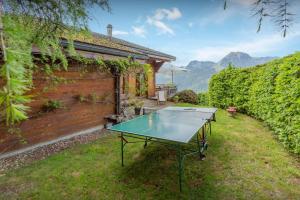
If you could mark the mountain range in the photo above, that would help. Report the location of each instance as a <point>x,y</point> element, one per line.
<point>196,74</point>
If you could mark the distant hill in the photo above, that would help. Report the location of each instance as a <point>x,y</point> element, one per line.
<point>199,72</point>
<point>241,59</point>
<point>197,75</point>
<point>195,64</point>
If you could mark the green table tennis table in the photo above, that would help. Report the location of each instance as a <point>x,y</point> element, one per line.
<point>175,126</point>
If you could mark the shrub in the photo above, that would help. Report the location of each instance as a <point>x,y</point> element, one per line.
<point>81,98</point>
<point>176,99</point>
<point>203,98</point>
<point>270,92</point>
<point>187,96</point>
<point>52,105</point>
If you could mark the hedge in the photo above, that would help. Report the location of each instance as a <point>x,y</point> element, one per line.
<point>269,92</point>
<point>203,98</point>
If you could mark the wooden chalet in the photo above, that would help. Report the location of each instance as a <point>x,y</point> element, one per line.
<point>86,95</point>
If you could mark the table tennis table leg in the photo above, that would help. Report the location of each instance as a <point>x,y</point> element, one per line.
<point>122,149</point>
<point>199,146</point>
<point>209,127</point>
<point>146,142</point>
<point>180,166</point>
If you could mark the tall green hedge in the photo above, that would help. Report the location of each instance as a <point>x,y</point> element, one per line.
<point>270,92</point>
<point>203,98</point>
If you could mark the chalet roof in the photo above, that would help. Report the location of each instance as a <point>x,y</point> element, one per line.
<point>100,43</point>
<point>149,52</point>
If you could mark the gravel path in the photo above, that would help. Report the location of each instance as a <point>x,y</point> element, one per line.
<point>43,152</point>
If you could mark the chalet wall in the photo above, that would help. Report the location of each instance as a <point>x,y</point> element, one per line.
<point>75,115</point>
<point>151,83</point>
<point>129,84</point>
<point>132,83</point>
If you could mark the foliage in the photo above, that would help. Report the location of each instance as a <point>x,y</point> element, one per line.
<point>175,99</point>
<point>203,98</point>
<point>39,23</point>
<point>187,96</point>
<point>270,92</point>
<point>93,97</point>
<point>148,71</point>
<point>17,78</point>
<point>52,105</point>
<point>61,13</point>
<point>278,11</point>
<point>121,66</point>
<point>42,24</point>
<point>138,103</point>
<point>80,97</point>
<point>142,72</point>
<point>144,76</point>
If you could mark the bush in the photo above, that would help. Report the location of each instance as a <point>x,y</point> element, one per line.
<point>186,96</point>
<point>203,98</point>
<point>176,99</point>
<point>52,105</point>
<point>270,92</point>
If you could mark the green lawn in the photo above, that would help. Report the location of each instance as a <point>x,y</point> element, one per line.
<point>243,161</point>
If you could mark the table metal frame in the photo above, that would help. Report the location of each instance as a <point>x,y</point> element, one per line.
<point>181,149</point>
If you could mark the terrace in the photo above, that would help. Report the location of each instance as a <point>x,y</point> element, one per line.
<point>170,89</point>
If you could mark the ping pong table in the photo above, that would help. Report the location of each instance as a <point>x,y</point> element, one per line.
<point>175,126</point>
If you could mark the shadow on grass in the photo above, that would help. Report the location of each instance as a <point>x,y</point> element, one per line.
<point>155,168</point>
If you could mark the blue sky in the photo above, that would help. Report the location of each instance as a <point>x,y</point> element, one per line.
<point>196,29</point>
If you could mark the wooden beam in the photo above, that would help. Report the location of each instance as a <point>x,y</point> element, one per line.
<point>157,65</point>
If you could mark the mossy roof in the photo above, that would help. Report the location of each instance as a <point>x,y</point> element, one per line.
<point>116,43</point>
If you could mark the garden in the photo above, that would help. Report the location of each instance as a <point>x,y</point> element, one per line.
<point>251,155</point>
<point>238,166</point>
<point>58,80</point>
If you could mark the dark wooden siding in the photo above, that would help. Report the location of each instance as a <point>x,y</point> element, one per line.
<point>73,116</point>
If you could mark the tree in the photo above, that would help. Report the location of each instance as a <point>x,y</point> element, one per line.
<point>25,23</point>
<point>276,10</point>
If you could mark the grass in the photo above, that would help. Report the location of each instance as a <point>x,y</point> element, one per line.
<point>243,161</point>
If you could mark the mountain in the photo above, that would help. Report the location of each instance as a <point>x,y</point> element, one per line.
<point>196,65</point>
<point>198,73</point>
<point>241,59</point>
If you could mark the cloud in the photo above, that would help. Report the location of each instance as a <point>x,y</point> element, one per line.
<point>117,32</point>
<point>171,14</point>
<point>161,26</point>
<point>139,31</point>
<point>160,15</point>
<point>261,46</point>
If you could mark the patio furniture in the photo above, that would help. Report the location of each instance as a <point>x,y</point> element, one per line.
<point>232,111</point>
<point>148,110</point>
<point>161,97</point>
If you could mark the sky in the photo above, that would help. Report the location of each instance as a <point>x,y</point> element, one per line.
<point>197,29</point>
